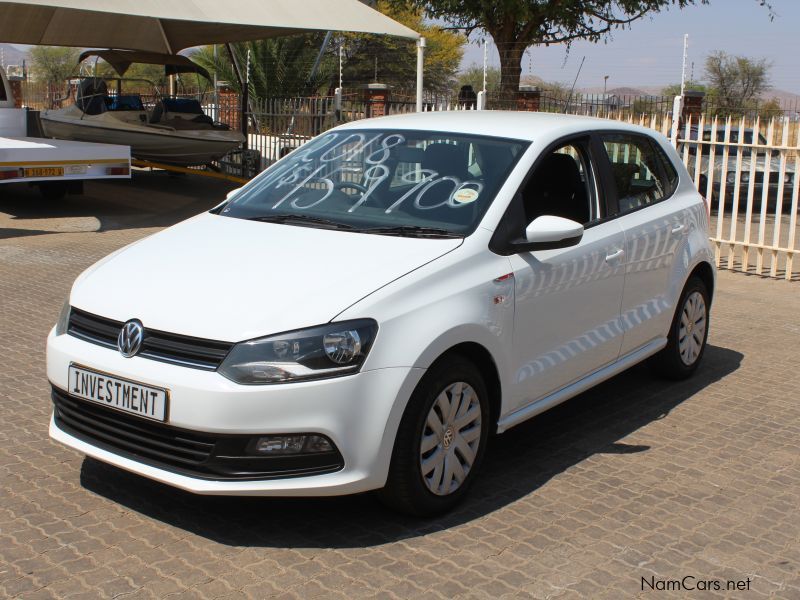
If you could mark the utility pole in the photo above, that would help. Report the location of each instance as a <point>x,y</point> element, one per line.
<point>341,60</point>
<point>683,70</point>
<point>677,105</point>
<point>485,63</point>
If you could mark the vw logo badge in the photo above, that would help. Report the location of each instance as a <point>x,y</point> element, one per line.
<point>130,338</point>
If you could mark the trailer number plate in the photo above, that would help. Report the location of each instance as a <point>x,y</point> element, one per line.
<point>43,172</point>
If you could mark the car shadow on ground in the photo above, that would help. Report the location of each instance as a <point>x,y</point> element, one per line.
<point>150,199</point>
<point>518,463</point>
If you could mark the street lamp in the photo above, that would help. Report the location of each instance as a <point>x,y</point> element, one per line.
<point>605,97</point>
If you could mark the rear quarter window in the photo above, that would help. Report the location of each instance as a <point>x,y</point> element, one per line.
<point>642,172</point>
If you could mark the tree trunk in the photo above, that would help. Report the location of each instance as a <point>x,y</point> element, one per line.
<point>510,66</point>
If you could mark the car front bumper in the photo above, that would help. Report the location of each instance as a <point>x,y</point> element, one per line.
<point>359,413</point>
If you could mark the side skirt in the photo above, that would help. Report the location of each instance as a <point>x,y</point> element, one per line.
<point>621,364</point>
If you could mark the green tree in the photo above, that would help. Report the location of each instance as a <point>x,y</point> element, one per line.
<point>736,82</point>
<point>278,67</point>
<point>769,109</point>
<point>674,89</point>
<point>395,58</point>
<point>473,75</point>
<point>53,64</point>
<point>517,24</point>
<point>153,73</point>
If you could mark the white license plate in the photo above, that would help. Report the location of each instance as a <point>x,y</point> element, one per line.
<point>117,393</point>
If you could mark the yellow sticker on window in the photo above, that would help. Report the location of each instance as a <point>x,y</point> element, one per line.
<point>465,195</point>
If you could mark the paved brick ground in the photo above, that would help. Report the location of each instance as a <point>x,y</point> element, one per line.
<point>635,479</point>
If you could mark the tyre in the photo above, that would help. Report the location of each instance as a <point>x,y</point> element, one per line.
<point>441,440</point>
<point>688,333</point>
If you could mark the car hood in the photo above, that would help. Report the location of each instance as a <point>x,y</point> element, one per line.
<point>230,279</point>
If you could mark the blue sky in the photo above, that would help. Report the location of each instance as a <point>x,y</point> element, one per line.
<point>650,52</point>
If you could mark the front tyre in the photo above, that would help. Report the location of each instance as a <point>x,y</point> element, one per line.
<point>441,440</point>
<point>688,333</point>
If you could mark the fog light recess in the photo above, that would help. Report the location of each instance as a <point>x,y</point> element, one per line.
<point>282,445</point>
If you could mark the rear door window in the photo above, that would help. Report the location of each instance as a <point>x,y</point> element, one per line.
<point>642,174</point>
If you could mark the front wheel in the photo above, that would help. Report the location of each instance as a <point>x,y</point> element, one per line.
<point>441,440</point>
<point>688,333</point>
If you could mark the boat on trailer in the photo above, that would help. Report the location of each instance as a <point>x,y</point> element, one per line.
<point>166,129</point>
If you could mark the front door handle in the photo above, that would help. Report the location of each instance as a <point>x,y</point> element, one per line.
<point>678,228</point>
<point>615,255</point>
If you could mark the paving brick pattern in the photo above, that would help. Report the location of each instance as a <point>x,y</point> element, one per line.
<point>636,479</point>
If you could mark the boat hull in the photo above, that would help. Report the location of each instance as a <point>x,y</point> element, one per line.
<point>183,148</point>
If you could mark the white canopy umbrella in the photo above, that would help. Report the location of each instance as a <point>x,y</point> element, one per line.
<point>169,26</point>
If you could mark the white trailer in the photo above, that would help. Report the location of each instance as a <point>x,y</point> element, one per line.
<point>55,166</point>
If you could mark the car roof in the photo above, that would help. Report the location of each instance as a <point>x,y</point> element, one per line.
<point>529,126</point>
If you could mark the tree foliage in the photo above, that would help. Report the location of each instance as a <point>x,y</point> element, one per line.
<point>396,57</point>
<point>281,67</point>
<point>277,67</point>
<point>53,64</point>
<point>674,89</point>
<point>473,75</point>
<point>514,25</point>
<point>736,82</point>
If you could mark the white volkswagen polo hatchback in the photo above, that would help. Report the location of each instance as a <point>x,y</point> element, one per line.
<point>367,312</point>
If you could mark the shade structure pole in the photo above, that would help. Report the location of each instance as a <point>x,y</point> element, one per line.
<point>420,64</point>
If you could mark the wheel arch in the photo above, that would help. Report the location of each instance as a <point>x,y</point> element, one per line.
<point>480,356</point>
<point>705,272</point>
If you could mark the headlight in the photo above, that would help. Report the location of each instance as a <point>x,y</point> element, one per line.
<point>746,177</point>
<point>63,319</point>
<point>731,178</point>
<point>319,352</point>
<point>787,178</point>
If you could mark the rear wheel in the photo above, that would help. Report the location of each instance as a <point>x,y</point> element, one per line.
<point>686,342</point>
<point>441,440</point>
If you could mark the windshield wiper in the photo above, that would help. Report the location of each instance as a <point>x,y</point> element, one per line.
<point>412,231</point>
<point>305,220</point>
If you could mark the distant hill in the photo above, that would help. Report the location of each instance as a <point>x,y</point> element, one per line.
<point>784,97</point>
<point>12,55</point>
<point>627,91</point>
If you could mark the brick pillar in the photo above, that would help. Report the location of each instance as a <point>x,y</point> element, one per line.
<point>528,98</point>
<point>16,91</point>
<point>376,96</point>
<point>692,105</point>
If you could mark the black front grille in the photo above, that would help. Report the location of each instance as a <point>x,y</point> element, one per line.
<point>157,345</point>
<point>196,454</point>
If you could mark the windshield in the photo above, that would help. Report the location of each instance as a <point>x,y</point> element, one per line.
<point>386,182</point>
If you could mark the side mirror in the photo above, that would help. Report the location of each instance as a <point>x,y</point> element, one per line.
<point>549,232</point>
<point>232,193</point>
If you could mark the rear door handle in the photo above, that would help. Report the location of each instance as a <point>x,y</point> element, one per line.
<point>678,228</point>
<point>615,255</point>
